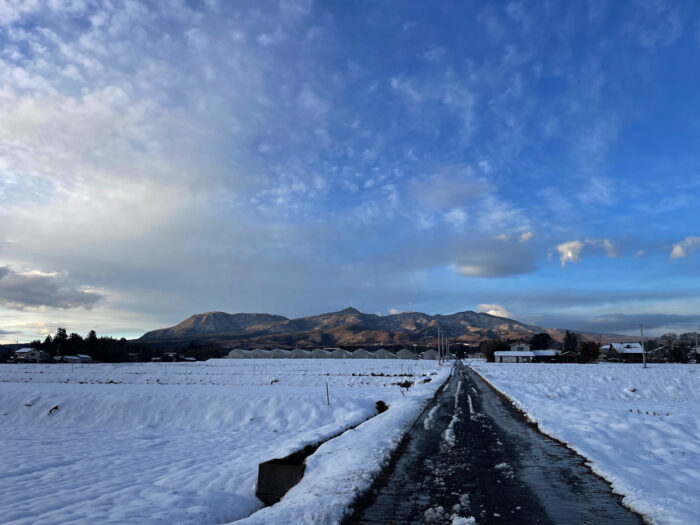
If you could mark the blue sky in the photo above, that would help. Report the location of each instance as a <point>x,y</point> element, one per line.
<point>533,159</point>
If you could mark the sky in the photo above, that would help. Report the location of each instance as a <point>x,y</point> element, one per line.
<point>537,160</point>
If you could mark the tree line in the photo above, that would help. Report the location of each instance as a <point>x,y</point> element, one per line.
<point>104,349</point>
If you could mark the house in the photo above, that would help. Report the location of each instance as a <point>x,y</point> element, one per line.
<point>405,353</point>
<point>430,354</point>
<point>550,355</point>
<point>569,356</point>
<point>239,353</point>
<point>518,353</point>
<point>514,356</point>
<point>300,353</point>
<point>520,347</point>
<point>362,353</point>
<point>31,355</point>
<point>260,353</point>
<point>625,352</point>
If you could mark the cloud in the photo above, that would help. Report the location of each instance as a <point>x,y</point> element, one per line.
<point>394,311</point>
<point>495,258</point>
<point>456,217</point>
<point>684,248</point>
<point>20,290</point>
<point>526,236</point>
<point>610,248</point>
<point>570,252</point>
<point>621,323</point>
<point>495,309</point>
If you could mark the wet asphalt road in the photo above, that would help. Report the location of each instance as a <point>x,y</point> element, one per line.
<point>476,457</point>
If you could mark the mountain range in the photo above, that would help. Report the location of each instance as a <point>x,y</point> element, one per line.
<point>348,327</point>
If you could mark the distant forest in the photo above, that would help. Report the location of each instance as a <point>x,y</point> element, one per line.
<point>110,350</point>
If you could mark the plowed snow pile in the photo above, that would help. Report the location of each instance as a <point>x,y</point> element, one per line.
<point>639,428</point>
<point>181,442</point>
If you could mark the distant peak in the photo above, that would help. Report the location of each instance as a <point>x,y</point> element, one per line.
<point>349,310</point>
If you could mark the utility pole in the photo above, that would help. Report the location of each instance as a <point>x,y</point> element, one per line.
<point>438,345</point>
<point>644,351</point>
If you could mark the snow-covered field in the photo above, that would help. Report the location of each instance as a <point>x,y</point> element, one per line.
<point>181,442</point>
<point>639,429</point>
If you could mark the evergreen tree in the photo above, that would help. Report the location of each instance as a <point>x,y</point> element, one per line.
<point>570,342</point>
<point>589,351</point>
<point>541,341</point>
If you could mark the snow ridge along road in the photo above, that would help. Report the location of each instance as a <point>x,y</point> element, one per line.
<point>499,469</point>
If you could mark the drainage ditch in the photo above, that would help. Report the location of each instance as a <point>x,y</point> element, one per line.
<point>277,476</point>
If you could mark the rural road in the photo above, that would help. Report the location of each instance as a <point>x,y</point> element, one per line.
<point>491,466</point>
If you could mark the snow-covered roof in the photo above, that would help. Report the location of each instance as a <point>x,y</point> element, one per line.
<point>627,348</point>
<point>545,353</point>
<point>515,353</point>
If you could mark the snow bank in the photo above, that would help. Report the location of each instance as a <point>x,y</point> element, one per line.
<point>638,428</point>
<point>181,442</point>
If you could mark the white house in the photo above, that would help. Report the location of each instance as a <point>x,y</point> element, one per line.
<point>514,356</point>
<point>520,347</point>
<point>31,355</point>
<point>518,353</point>
<point>521,353</point>
<point>548,354</point>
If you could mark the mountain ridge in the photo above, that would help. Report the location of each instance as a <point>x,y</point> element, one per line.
<point>348,326</point>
